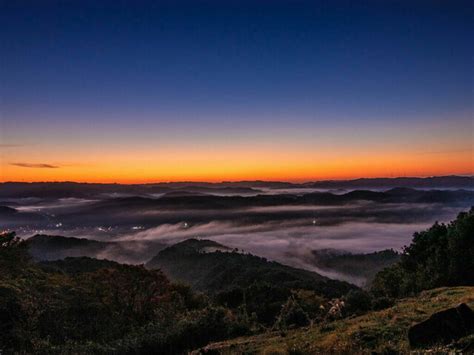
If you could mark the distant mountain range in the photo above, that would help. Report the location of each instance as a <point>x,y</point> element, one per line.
<point>172,202</point>
<point>178,206</point>
<point>438,182</point>
<point>87,190</point>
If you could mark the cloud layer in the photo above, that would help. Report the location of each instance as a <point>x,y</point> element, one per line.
<point>35,165</point>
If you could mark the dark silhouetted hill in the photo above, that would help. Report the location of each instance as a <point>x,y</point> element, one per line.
<point>77,265</point>
<point>358,265</point>
<point>212,267</point>
<point>47,248</point>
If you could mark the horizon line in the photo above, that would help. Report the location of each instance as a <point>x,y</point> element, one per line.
<point>470,175</point>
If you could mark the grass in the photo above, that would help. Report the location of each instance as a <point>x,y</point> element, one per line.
<point>383,332</point>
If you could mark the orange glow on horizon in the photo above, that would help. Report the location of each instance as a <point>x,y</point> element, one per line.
<point>442,146</point>
<point>238,167</point>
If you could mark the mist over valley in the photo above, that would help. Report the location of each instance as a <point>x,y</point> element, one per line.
<point>284,222</point>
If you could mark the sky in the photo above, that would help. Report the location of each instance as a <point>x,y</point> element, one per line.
<point>143,91</point>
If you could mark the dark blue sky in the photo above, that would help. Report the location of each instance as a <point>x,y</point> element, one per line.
<point>214,66</point>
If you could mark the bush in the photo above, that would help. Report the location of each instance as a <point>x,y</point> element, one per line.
<point>382,303</point>
<point>311,303</point>
<point>292,315</point>
<point>358,301</point>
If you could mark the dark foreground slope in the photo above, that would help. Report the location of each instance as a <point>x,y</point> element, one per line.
<point>89,306</point>
<point>211,267</point>
<point>381,332</point>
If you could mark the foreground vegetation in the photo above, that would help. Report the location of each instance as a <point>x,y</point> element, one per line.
<point>382,332</point>
<point>85,305</point>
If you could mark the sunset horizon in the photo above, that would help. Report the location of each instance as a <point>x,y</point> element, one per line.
<point>222,181</point>
<point>263,167</point>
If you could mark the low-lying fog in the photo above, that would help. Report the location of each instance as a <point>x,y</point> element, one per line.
<point>283,232</point>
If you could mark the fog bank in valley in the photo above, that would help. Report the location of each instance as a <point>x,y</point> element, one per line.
<point>283,224</point>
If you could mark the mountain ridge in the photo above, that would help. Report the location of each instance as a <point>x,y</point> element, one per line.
<point>84,189</point>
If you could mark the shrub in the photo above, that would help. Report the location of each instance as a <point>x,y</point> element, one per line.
<point>380,303</point>
<point>292,315</point>
<point>358,301</point>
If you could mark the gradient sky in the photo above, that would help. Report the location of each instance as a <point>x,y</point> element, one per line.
<point>136,91</point>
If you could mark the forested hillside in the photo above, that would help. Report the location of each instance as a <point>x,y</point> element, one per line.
<point>86,305</point>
